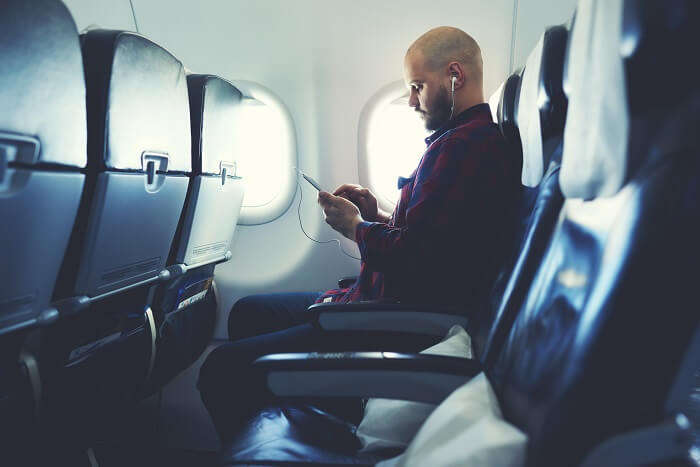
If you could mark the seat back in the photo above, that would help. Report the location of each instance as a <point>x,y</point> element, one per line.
<point>138,162</point>
<point>186,307</point>
<point>42,150</point>
<point>216,193</point>
<point>95,362</point>
<point>533,100</point>
<point>596,346</point>
<point>43,139</point>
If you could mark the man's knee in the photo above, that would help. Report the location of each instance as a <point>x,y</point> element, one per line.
<point>216,369</point>
<point>243,316</point>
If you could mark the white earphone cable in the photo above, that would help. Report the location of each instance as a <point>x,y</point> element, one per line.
<point>333,240</point>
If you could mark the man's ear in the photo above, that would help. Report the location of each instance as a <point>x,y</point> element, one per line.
<point>456,70</point>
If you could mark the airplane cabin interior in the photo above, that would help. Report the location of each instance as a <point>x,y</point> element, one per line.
<point>327,232</point>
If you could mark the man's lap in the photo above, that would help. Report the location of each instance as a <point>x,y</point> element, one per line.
<point>232,389</point>
<point>265,313</point>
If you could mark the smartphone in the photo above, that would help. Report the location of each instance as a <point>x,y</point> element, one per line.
<point>313,182</point>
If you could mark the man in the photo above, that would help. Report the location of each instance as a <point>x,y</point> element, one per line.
<point>442,244</point>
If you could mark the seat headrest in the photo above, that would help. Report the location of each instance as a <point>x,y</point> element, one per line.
<point>506,113</point>
<point>652,34</point>
<point>540,112</point>
<point>594,160</point>
<point>137,102</point>
<point>527,117</point>
<point>42,86</point>
<point>494,100</point>
<point>553,103</point>
<point>214,110</point>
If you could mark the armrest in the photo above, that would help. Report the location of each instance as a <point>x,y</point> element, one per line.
<point>387,317</point>
<point>414,377</point>
<point>670,440</point>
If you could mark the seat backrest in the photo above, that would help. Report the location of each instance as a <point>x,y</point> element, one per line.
<point>42,150</point>
<point>530,101</point>
<point>138,164</point>
<point>186,308</point>
<point>216,192</point>
<point>595,348</point>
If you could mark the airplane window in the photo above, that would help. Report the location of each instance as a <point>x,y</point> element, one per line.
<point>258,152</point>
<point>393,143</point>
<point>266,152</point>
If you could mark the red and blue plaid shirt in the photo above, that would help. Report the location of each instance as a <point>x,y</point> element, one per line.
<point>445,239</point>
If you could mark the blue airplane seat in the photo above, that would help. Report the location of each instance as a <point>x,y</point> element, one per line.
<point>43,140</point>
<point>96,358</point>
<point>537,107</point>
<point>186,308</point>
<point>596,350</point>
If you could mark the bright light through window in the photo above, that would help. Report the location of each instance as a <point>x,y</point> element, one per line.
<point>395,143</point>
<point>263,154</point>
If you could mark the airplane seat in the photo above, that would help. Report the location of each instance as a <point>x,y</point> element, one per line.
<point>595,355</point>
<point>601,357</point>
<point>138,165</point>
<point>186,308</point>
<point>99,354</point>
<point>43,138</point>
<point>42,151</point>
<point>532,118</point>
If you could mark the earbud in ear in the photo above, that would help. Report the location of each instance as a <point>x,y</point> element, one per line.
<point>454,78</point>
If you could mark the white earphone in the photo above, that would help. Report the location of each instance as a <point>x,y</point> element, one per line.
<point>452,109</point>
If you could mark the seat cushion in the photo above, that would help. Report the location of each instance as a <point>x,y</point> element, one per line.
<point>466,429</point>
<point>297,434</point>
<point>389,423</point>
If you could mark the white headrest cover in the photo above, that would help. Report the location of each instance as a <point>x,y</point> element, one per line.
<point>494,100</point>
<point>528,118</point>
<point>594,161</point>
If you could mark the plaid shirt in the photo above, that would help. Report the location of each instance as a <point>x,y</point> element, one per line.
<point>445,238</point>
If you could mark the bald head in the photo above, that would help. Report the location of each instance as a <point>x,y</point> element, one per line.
<point>443,72</point>
<point>441,46</point>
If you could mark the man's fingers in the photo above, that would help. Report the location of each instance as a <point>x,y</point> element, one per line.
<point>324,198</point>
<point>346,188</point>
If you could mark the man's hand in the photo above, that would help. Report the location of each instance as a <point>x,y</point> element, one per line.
<point>363,199</point>
<point>341,214</point>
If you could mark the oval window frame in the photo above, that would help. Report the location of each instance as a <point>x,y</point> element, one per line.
<point>277,206</point>
<point>384,96</point>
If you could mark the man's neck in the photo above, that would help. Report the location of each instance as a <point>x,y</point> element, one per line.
<point>467,101</point>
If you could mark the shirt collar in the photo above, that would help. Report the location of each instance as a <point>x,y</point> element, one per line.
<point>475,112</point>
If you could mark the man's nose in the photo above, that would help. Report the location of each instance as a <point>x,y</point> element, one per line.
<point>413,100</point>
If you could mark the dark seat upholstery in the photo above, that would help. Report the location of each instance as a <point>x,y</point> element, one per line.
<point>294,434</point>
<point>543,198</point>
<point>186,308</point>
<point>302,440</point>
<point>43,139</point>
<point>138,162</point>
<point>96,357</point>
<point>597,347</point>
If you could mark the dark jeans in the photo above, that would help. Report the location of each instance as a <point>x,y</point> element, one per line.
<point>233,391</point>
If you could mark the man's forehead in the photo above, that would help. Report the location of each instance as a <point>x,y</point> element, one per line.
<point>414,66</point>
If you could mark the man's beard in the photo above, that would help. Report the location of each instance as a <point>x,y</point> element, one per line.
<point>440,113</point>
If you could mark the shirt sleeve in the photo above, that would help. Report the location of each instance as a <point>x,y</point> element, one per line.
<point>450,186</point>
